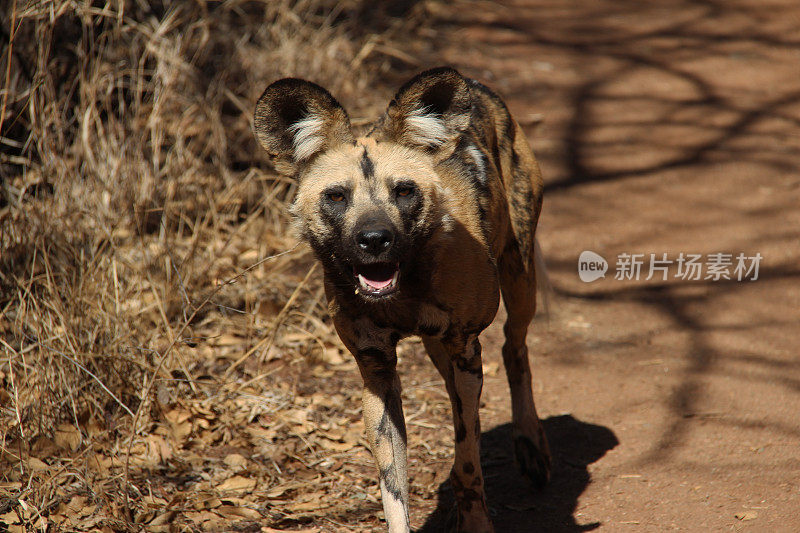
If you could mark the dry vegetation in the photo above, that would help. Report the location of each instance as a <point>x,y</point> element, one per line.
<point>165,359</point>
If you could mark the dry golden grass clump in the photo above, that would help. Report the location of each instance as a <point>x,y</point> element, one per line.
<point>153,301</point>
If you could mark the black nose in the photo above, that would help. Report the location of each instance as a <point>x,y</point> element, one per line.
<point>375,241</point>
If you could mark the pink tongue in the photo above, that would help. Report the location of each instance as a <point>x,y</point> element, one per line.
<point>378,284</point>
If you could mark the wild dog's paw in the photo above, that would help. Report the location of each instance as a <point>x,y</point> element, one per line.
<point>534,463</point>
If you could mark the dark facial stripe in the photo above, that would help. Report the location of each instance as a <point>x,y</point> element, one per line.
<point>333,215</point>
<point>367,166</point>
<point>409,212</point>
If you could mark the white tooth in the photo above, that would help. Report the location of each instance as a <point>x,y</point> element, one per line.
<point>394,278</point>
<point>363,282</point>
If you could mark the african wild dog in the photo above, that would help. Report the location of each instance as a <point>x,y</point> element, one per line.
<point>420,225</point>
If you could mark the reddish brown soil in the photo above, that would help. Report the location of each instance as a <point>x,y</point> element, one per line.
<point>667,127</point>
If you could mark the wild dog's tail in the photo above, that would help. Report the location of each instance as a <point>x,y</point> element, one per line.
<point>543,285</point>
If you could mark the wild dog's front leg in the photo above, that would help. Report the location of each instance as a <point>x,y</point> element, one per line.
<point>386,430</point>
<point>460,366</point>
<point>374,349</point>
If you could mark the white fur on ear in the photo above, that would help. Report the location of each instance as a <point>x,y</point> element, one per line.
<point>308,137</point>
<point>478,157</point>
<point>425,128</point>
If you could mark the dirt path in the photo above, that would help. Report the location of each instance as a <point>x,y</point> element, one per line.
<point>670,404</point>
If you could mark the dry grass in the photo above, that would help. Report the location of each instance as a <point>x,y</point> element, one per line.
<point>160,328</point>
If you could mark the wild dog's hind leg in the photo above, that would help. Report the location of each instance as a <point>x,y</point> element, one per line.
<point>518,286</point>
<point>460,366</point>
<point>385,424</point>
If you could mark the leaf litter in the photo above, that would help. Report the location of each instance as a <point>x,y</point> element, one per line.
<point>166,361</point>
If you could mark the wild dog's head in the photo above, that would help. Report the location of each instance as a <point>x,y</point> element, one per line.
<point>367,206</point>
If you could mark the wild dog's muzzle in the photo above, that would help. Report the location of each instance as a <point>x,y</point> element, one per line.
<point>378,279</point>
<point>375,241</point>
<point>375,268</point>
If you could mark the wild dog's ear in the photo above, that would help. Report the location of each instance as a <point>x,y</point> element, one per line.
<point>430,110</point>
<point>295,120</point>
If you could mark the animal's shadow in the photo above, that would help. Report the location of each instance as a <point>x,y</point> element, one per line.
<point>514,505</point>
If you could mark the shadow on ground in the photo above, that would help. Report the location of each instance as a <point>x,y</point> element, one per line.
<point>514,504</point>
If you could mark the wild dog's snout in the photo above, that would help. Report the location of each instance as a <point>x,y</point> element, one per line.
<point>375,263</point>
<point>374,237</point>
<point>375,241</point>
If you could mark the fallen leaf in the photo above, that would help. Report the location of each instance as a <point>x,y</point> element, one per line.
<point>746,515</point>
<point>158,448</point>
<point>202,516</point>
<point>277,492</point>
<point>10,518</point>
<point>238,512</point>
<point>204,504</point>
<point>237,484</point>
<point>335,446</point>
<point>313,504</point>
<point>67,436</point>
<point>235,460</point>
<point>162,520</point>
<point>37,465</point>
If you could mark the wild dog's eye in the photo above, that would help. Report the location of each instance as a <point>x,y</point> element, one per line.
<point>404,190</point>
<point>335,195</point>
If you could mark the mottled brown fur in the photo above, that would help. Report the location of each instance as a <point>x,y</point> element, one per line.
<point>443,194</point>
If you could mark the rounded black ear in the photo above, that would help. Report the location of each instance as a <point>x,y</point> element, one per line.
<point>430,110</point>
<point>295,120</point>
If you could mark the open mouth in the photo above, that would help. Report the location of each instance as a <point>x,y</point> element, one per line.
<point>377,279</point>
